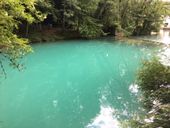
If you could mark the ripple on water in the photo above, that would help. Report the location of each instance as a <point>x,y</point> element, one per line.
<point>105,119</point>
<point>72,85</point>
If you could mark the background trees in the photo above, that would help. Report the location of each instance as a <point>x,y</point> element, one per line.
<point>94,18</point>
<point>78,15</point>
<point>91,18</point>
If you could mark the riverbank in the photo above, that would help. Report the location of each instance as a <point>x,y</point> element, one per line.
<point>57,34</point>
<point>139,41</point>
<point>51,35</point>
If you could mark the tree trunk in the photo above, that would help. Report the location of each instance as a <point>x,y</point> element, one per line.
<point>63,23</point>
<point>27,29</point>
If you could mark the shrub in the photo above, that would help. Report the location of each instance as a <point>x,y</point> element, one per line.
<point>154,81</point>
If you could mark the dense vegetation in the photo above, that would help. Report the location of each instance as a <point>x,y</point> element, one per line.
<point>90,19</point>
<point>93,18</point>
<point>12,14</point>
<point>154,81</point>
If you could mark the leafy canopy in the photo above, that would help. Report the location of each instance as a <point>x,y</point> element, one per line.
<point>12,13</point>
<point>154,80</point>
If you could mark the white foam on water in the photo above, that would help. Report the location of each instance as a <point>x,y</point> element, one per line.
<point>55,103</point>
<point>105,119</point>
<point>133,88</point>
<point>81,107</point>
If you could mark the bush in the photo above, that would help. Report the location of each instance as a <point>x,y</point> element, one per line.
<point>154,81</point>
<point>153,75</point>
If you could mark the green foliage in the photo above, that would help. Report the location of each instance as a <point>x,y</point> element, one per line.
<point>79,15</point>
<point>108,12</point>
<point>153,15</point>
<point>12,12</point>
<point>154,80</point>
<point>160,119</point>
<point>162,95</point>
<point>141,17</point>
<point>46,7</point>
<point>153,75</point>
<point>89,28</point>
<point>167,8</point>
<point>131,17</point>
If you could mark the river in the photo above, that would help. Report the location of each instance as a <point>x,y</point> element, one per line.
<point>73,84</point>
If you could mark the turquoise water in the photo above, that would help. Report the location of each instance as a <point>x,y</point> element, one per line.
<point>72,84</point>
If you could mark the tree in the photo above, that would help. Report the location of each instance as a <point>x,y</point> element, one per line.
<point>91,17</point>
<point>154,81</point>
<point>108,13</point>
<point>80,15</point>
<point>12,13</point>
<point>148,17</point>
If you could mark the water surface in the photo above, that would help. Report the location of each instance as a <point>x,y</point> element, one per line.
<point>72,84</point>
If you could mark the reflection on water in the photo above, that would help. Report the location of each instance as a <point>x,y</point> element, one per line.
<point>165,37</point>
<point>76,84</point>
<point>110,117</point>
<point>162,37</point>
<point>105,119</point>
